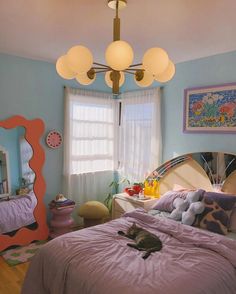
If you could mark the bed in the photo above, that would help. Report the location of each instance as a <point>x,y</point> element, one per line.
<point>97,260</point>
<point>17,212</point>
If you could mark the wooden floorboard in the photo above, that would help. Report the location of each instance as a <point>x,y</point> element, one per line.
<point>12,277</point>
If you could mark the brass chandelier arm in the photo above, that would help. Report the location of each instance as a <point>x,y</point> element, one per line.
<point>134,69</point>
<point>104,70</point>
<point>137,64</point>
<point>129,72</point>
<point>101,64</point>
<point>99,67</point>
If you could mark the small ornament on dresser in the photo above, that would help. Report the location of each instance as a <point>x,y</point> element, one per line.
<point>61,202</point>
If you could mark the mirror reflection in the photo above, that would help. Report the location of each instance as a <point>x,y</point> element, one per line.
<point>217,165</point>
<point>17,199</point>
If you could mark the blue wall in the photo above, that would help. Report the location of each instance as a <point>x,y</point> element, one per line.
<point>33,89</point>
<point>218,69</point>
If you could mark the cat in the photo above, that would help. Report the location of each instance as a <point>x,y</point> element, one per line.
<point>144,240</point>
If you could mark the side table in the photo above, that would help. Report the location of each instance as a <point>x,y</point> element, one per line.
<point>122,203</point>
<point>61,221</point>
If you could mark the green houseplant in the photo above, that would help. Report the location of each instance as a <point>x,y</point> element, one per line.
<point>114,186</point>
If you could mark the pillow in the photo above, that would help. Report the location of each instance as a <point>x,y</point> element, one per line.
<point>180,188</point>
<point>165,203</point>
<point>232,226</point>
<point>180,205</point>
<point>195,208</point>
<point>191,203</point>
<point>217,212</point>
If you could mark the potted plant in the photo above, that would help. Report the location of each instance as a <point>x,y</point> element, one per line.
<point>114,186</point>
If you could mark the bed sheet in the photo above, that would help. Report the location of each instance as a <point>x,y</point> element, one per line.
<point>97,260</point>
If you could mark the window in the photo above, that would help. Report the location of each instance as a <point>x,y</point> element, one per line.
<point>91,140</point>
<point>92,134</point>
<point>140,134</point>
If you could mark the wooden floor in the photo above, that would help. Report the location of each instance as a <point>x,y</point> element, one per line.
<point>11,277</point>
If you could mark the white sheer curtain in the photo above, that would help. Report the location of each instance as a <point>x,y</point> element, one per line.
<point>89,144</point>
<point>140,133</point>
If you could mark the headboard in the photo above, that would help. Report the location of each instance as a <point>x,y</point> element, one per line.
<point>210,171</point>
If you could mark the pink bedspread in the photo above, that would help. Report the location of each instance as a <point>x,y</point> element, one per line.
<point>98,261</point>
<point>17,213</point>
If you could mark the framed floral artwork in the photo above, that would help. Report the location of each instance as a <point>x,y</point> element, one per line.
<point>210,109</point>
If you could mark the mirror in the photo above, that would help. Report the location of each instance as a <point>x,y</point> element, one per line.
<point>212,171</point>
<point>22,187</point>
<point>4,173</point>
<point>17,199</point>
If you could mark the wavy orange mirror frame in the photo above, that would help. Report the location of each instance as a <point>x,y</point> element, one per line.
<point>33,132</point>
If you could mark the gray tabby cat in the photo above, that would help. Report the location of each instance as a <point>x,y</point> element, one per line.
<point>144,240</point>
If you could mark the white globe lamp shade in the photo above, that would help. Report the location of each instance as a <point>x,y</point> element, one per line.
<point>63,69</point>
<point>119,55</point>
<point>155,60</point>
<point>168,74</point>
<point>146,81</point>
<point>79,59</point>
<point>108,79</point>
<point>83,79</point>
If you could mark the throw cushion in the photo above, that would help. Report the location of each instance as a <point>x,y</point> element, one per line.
<point>217,212</point>
<point>232,226</point>
<point>165,203</point>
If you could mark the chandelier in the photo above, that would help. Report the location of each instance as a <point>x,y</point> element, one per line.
<point>78,61</point>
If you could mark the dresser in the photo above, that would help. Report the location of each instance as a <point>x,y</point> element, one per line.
<point>122,203</point>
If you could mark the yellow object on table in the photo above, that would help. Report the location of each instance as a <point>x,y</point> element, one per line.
<point>152,188</point>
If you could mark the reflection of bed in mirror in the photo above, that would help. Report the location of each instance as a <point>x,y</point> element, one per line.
<point>17,199</point>
<point>211,171</point>
<point>22,212</point>
<point>17,212</point>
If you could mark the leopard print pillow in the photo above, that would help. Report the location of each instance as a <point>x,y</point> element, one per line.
<point>217,212</point>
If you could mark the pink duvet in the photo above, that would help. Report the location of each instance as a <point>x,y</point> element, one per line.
<point>97,260</point>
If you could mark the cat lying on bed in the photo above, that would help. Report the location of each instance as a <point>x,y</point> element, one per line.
<point>144,240</point>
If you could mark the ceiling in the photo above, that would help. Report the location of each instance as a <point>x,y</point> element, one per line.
<point>187,29</point>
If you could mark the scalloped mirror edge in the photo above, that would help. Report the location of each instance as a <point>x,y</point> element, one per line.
<point>33,131</point>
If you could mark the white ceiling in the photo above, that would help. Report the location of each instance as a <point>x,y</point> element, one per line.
<point>187,29</point>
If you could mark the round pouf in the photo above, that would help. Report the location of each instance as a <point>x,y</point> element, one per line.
<point>93,212</point>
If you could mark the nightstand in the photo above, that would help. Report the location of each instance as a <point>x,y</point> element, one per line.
<point>61,222</point>
<point>122,203</point>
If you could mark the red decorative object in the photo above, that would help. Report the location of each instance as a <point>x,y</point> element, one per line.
<point>54,139</point>
<point>130,191</point>
<point>137,188</point>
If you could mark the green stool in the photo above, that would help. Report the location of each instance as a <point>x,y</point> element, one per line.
<point>94,213</point>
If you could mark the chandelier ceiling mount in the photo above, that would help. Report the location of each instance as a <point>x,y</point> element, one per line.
<point>78,61</point>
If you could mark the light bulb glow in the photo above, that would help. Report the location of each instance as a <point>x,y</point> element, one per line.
<point>79,59</point>
<point>155,60</point>
<point>167,75</point>
<point>108,79</point>
<point>83,79</point>
<point>63,69</point>
<point>119,55</point>
<point>146,81</point>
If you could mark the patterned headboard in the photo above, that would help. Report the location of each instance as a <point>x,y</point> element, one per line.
<point>193,171</point>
